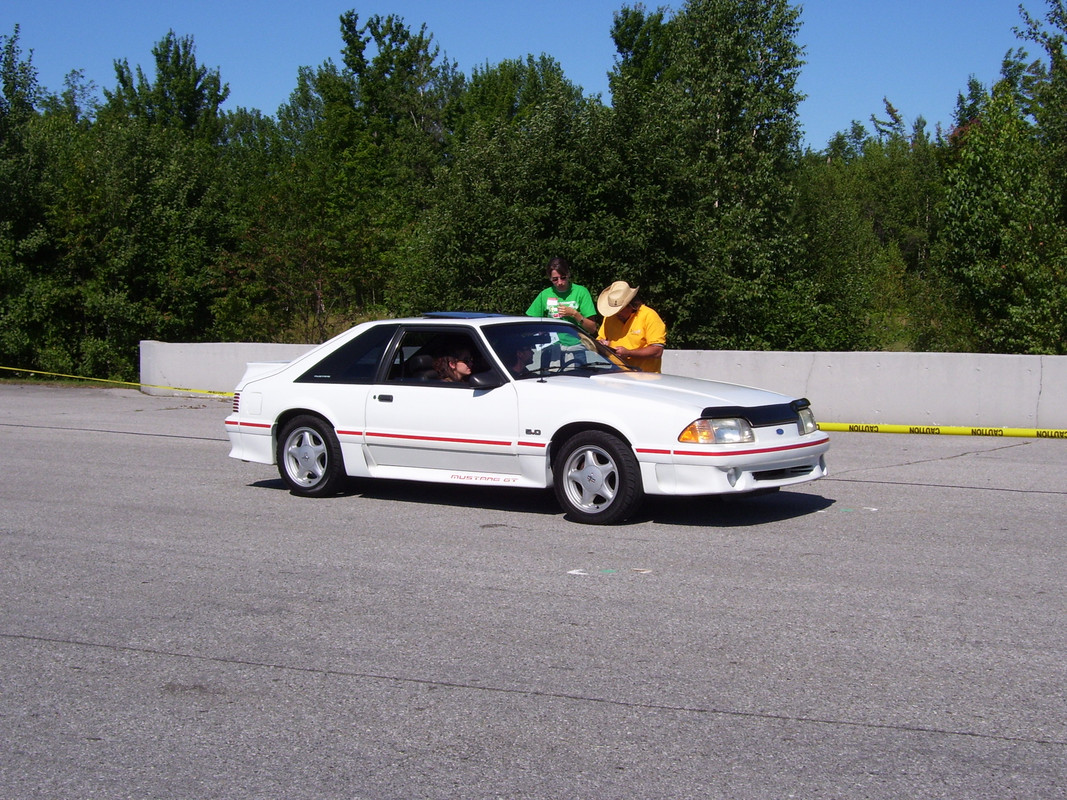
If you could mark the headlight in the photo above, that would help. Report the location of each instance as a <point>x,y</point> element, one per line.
<point>718,431</point>
<point>806,423</point>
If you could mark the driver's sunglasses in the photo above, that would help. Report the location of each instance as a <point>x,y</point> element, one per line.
<point>560,279</point>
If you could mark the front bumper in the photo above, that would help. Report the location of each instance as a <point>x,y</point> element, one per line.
<point>693,470</point>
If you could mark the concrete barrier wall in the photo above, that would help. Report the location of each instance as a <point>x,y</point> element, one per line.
<point>942,389</point>
<point>927,389</point>
<point>168,368</point>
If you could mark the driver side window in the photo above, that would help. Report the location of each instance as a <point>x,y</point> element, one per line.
<point>436,357</point>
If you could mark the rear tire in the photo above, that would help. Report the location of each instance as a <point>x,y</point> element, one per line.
<point>597,478</point>
<point>309,457</point>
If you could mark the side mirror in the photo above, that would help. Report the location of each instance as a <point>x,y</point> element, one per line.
<point>485,380</point>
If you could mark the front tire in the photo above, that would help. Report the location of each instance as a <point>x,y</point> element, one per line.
<point>309,457</point>
<point>597,478</point>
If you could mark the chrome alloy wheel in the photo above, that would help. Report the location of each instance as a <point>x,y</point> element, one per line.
<point>592,479</point>
<point>597,478</point>
<point>306,458</point>
<point>309,457</point>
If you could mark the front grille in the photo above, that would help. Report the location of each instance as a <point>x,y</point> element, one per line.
<point>783,474</point>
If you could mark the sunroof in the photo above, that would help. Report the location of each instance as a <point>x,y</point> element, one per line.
<point>461,314</point>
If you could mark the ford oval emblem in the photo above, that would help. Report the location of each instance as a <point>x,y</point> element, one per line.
<point>779,431</point>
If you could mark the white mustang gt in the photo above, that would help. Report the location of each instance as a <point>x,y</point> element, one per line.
<point>514,401</point>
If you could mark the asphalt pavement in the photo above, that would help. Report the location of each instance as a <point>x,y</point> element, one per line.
<point>175,624</point>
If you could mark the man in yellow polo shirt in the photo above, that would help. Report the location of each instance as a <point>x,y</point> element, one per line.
<point>633,330</point>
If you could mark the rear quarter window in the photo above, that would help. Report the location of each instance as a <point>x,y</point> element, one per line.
<point>354,362</point>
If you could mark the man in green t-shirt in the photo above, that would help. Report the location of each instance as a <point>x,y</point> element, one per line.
<point>563,299</point>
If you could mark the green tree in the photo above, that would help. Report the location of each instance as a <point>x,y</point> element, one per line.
<point>706,108</point>
<point>129,227</point>
<point>183,94</point>
<point>253,156</point>
<point>642,42</point>
<point>349,165</point>
<point>137,226</point>
<point>507,93</point>
<point>1046,87</point>
<point>19,93</point>
<point>24,241</point>
<point>19,88</point>
<point>1003,245</point>
<point>867,212</point>
<point>528,180</point>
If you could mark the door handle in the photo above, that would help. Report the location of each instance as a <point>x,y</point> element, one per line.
<point>385,398</point>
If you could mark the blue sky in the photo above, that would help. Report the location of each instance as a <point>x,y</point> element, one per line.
<point>918,53</point>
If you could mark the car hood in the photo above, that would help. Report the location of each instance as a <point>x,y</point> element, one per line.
<point>644,407</point>
<point>694,393</point>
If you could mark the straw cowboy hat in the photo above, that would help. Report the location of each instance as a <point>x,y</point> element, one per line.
<point>613,298</point>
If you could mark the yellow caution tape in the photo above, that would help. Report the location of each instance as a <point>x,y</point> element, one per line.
<point>119,383</point>
<point>944,430</point>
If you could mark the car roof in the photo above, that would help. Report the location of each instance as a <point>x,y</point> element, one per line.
<point>449,319</point>
<point>477,319</point>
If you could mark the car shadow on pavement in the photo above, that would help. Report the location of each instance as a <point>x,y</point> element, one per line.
<point>731,511</point>
<point>711,511</point>
<point>529,501</point>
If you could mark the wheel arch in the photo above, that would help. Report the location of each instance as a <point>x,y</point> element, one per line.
<point>571,428</point>
<point>290,414</point>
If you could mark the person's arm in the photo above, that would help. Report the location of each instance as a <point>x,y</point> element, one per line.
<point>587,324</point>
<point>585,317</point>
<point>640,352</point>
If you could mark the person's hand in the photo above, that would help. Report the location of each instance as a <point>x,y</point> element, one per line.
<point>567,311</point>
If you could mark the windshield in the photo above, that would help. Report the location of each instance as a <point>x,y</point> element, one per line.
<point>535,349</point>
